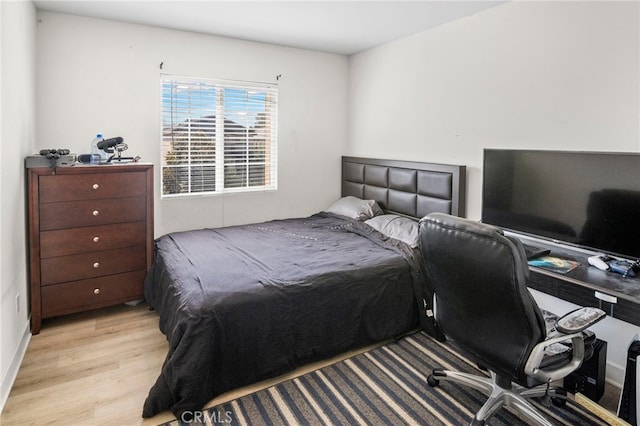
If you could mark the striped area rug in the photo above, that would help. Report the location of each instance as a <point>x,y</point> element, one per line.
<point>384,386</point>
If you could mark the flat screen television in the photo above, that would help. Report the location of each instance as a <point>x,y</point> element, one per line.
<point>585,199</point>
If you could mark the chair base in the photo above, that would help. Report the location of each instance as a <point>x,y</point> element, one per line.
<point>499,396</point>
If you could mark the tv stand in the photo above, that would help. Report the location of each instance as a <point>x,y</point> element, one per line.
<point>586,285</point>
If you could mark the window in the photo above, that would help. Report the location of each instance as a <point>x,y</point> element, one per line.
<point>217,136</point>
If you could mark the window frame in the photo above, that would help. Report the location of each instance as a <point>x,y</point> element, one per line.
<point>242,158</point>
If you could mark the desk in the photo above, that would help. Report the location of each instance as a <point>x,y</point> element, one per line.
<point>586,285</point>
<point>579,287</point>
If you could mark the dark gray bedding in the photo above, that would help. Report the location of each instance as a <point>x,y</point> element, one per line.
<point>245,303</point>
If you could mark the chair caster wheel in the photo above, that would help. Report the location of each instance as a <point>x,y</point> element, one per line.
<point>432,381</point>
<point>476,422</point>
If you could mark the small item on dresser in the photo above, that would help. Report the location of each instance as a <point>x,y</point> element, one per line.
<point>95,150</point>
<point>89,158</point>
<point>51,157</point>
<point>115,147</point>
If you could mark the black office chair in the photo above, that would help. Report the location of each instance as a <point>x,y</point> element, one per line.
<point>482,304</point>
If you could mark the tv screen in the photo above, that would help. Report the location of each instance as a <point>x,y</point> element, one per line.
<point>585,199</point>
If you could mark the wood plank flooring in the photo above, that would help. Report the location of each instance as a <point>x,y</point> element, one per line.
<point>90,368</point>
<point>96,368</point>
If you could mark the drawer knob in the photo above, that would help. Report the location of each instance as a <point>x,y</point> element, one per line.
<point>95,186</point>
<point>96,212</point>
<point>96,239</point>
<point>96,291</point>
<point>96,265</point>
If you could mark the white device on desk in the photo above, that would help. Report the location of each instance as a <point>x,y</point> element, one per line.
<point>599,261</point>
<point>629,405</point>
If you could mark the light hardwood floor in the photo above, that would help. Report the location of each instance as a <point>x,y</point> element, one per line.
<point>90,368</point>
<point>96,368</point>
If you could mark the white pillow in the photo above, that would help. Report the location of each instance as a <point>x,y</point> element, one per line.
<point>355,208</point>
<point>398,227</point>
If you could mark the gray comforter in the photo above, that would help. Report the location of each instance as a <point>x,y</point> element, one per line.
<point>245,303</point>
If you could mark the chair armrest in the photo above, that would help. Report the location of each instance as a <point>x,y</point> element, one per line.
<point>532,367</point>
<point>579,320</point>
<point>568,327</point>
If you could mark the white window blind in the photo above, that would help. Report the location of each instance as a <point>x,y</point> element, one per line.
<point>217,136</point>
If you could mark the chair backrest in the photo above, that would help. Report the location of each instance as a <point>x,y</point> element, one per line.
<point>479,278</point>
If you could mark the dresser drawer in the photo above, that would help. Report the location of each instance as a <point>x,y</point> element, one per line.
<point>63,242</point>
<point>89,265</point>
<point>55,188</point>
<point>92,293</point>
<point>90,213</point>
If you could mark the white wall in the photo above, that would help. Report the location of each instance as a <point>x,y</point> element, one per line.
<point>17,135</point>
<point>547,75</point>
<point>96,75</point>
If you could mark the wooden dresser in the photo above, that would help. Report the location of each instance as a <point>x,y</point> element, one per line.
<point>90,236</point>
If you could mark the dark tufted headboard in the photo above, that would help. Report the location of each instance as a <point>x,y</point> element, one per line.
<point>406,187</point>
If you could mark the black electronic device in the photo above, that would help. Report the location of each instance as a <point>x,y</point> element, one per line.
<point>53,153</point>
<point>89,158</point>
<point>533,252</point>
<point>51,157</point>
<point>584,199</point>
<point>105,144</point>
<point>115,147</point>
<point>629,406</point>
<point>590,378</point>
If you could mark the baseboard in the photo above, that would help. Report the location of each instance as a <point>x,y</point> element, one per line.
<point>12,372</point>
<point>615,374</point>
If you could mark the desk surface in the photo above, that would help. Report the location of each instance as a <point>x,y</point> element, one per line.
<point>608,282</point>
<point>581,284</point>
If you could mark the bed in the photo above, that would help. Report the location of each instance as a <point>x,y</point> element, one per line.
<point>245,303</point>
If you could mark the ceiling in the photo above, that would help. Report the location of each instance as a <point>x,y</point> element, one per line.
<point>344,27</point>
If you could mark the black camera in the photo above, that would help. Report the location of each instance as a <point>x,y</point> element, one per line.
<point>115,147</point>
<point>108,145</point>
